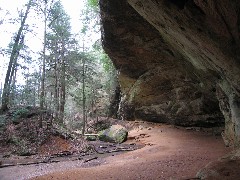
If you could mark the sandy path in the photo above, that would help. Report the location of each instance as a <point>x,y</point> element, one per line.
<point>171,153</point>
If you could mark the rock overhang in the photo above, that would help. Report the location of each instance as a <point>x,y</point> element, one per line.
<point>178,60</point>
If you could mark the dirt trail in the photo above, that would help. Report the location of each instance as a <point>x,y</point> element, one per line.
<point>170,152</point>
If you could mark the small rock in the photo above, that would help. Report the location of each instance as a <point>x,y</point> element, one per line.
<point>149,144</point>
<point>91,138</point>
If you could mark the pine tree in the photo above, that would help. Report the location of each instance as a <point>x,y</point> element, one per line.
<point>59,39</point>
<point>13,61</point>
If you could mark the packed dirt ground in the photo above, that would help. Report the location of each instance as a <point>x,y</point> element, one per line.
<point>169,152</point>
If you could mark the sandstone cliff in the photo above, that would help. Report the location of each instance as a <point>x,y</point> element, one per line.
<point>178,60</point>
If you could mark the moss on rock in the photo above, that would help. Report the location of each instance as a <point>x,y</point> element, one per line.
<point>115,134</point>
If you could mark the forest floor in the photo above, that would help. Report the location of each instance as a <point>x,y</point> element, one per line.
<point>168,152</point>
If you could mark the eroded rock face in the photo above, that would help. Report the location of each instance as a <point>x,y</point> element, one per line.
<point>178,60</point>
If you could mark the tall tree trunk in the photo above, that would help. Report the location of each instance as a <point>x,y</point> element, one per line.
<point>51,100</point>
<point>13,88</point>
<point>42,93</point>
<point>39,86</point>
<point>56,92</point>
<point>84,95</point>
<point>1,93</point>
<point>63,84</point>
<point>34,95</point>
<point>12,62</point>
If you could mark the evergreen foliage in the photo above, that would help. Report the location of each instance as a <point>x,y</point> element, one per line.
<point>69,77</point>
<point>93,4</point>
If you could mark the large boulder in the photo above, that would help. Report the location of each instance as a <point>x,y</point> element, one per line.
<point>114,134</point>
<point>226,167</point>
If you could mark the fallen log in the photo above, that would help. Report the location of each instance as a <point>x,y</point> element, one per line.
<point>6,165</point>
<point>118,150</point>
<point>62,154</point>
<point>91,135</point>
<point>28,163</point>
<point>90,159</point>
